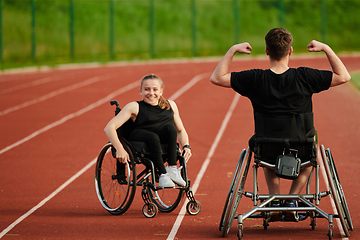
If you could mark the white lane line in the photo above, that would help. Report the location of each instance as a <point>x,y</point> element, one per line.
<point>31,84</point>
<point>204,166</point>
<point>57,92</point>
<point>40,204</point>
<point>326,180</point>
<point>189,85</point>
<point>107,98</point>
<point>71,116</point>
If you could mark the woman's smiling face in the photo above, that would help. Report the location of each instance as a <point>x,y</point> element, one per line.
<point>151,91</point>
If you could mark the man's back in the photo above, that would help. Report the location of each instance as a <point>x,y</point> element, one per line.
<point>281,94</point>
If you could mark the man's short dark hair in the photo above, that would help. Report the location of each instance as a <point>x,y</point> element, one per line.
<point>278,42</point>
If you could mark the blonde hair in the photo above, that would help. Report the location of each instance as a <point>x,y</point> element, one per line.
<point>163,103</point>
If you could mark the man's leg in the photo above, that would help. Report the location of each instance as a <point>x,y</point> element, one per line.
<point>296,187</point>
<point>298,184</point>
<point>272,181</point>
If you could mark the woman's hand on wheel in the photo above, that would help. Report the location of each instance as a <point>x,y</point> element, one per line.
<point>122,156</point>
<point>186,154</point>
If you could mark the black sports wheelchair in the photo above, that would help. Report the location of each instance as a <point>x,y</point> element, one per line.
<point>116,182</point>
<point>307,203</point>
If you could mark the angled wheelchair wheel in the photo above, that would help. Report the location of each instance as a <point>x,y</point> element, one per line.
<point>337,191</point>
<point>115,183</point>
<point>166,199</point>
<point>236,192</point>
<point>221,225</point>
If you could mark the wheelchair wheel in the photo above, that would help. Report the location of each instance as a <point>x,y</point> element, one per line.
<point>166,199</point>
<point>193,207</point>
<point>115,183</point>
<point>337,191</point>
<point>150,210</point>
<point>236,192</point>
<point>221,225</point>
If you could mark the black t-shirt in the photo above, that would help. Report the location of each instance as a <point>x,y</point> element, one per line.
<point>282,103</point>
<point>281,94</point>
<point>153,118</point>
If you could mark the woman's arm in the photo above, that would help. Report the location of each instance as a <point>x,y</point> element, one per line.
<point>129,111</point>
<point>182,134</point>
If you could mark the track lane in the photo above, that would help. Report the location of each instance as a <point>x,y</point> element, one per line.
<point>97,224</point>
<point>74,153</point>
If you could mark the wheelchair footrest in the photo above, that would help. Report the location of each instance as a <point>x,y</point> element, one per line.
<point>280,216</point>
<point>274,214</point>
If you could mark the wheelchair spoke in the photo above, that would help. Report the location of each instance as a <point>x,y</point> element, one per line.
<point>115,188</point>
<point>166,199</point>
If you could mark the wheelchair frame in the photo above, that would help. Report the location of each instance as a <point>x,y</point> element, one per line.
<point>116,189</point>
<point>307,206</point>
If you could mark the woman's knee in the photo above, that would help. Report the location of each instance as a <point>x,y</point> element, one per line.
<point>170,128</point>
<point>150,138</point>
<point>169,132</point>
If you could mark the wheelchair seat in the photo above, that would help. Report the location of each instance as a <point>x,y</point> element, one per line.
<point>142,149</point>
<point>274,134</point>
<point>268,149</point>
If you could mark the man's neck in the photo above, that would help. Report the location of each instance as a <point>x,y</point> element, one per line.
<point>280,66</point>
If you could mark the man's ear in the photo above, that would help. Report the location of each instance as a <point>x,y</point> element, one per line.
<point>291,50</point>
<point>266,51</point>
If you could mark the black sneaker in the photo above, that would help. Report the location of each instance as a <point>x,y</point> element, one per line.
<point>277,215</point>
<point>291,215</point>
<point>275,203</point>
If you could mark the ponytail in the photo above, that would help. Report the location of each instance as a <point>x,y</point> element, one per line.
<point>164,104</point>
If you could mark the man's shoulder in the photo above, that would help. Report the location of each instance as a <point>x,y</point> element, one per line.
<point>249,72</point>
<point>304,69</point>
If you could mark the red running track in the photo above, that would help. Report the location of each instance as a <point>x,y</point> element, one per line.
<point>52,130</point>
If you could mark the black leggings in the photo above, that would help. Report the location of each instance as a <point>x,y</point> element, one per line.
<point>167,135</point>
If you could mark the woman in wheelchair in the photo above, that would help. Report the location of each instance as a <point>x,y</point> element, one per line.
<point>156,121</point>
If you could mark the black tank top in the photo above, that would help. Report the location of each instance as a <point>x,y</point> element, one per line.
<point>153,118</point>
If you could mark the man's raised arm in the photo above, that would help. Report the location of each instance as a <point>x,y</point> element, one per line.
<point>221,75</point>
<point>340,73</point>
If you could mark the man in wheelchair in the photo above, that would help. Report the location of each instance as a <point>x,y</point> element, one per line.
<point>282,100</point>
<point>155,121</point>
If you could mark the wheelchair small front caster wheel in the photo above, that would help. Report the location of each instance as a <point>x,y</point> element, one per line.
<point>330,233</point>
<point>193,207</point>
<point>313,224</point>
<point>150,210</point>
<point>265,223</point>
<point>240,231</point>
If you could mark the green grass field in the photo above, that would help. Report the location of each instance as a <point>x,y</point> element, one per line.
<point>355,79</point>
<point>178,28</point>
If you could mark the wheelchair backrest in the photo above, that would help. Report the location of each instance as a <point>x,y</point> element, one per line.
<point>268,149</point>
<point>285,126</point>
